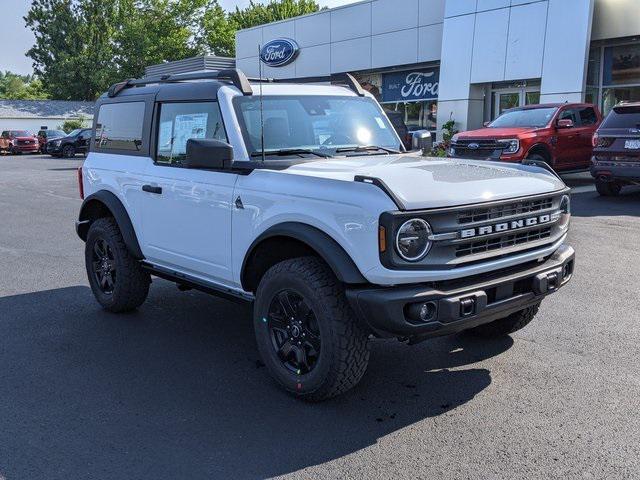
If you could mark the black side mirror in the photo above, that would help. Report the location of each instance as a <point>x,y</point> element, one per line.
<point>206,153</point>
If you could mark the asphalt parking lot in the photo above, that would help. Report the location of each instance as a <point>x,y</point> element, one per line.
<point>175,390</point>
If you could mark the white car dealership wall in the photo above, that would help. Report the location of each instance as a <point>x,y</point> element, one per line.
<point>477,42</point>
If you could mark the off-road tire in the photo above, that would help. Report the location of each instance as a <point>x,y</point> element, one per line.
<point>507,325</point>
<point>344,352</point>
<point>131,285</point>
<point>608,189</point>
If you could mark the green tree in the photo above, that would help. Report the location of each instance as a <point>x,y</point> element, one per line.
<point>83,46</point>
<point>73,124</point>
<point>21,87</point>
<point>153,31</point>
<point>219,36</point>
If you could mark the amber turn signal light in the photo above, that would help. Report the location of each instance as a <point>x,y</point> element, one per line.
<point>382,239</point>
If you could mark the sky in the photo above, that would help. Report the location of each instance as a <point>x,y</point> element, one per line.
<point>16,39</point>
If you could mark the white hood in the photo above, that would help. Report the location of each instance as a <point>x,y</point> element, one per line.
<point>426,182</point>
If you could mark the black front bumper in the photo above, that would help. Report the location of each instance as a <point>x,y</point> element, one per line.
<point>461,304</point>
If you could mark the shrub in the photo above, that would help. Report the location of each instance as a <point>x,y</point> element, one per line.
<point>73,124</point>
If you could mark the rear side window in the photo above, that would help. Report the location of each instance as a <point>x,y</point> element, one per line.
<point>119,126</point>
<point>588,116</point>
<point>181,121</point>
<point>623,117</point>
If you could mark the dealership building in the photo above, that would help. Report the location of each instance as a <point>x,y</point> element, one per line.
<point>465,60</point>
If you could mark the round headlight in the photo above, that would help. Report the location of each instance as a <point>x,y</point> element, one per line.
<point>412,239</point>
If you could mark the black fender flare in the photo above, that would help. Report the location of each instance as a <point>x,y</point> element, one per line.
<point>324,245</point>
<point>93,208</point>
<point>541,146</point>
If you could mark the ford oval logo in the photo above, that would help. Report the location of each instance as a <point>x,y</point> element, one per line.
<point>473,146</point>
<point>279,52</point>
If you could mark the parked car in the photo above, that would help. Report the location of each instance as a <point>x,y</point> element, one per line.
<point>558,134</point>
<point>616,152</point>
<point>301,201</point>
<point>45,135</point>
<point>18,141</point>
<point>77,141</point>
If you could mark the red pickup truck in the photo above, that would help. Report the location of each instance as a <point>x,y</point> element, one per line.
<point>18,141</point>
<point>556,133</point>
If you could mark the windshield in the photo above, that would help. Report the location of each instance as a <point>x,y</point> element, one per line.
<point>324,125</point>
<point>55,133</point>
<point>21,133</point>
<point>623,117</point>
<point>530,117</point>
<point>73,133</point>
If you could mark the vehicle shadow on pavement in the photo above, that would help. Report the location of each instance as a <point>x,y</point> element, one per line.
<point>593,205</point>
<point>175,390</point>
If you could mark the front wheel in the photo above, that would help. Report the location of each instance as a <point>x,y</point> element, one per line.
<point>117,280</point>
<point>306,331</point>
<point>69,151</point>
<point>507,325</point>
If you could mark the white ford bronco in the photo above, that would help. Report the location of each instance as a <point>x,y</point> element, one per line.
<point>301,199</point>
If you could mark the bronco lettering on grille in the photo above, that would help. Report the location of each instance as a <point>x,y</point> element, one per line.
<point>509,226</point>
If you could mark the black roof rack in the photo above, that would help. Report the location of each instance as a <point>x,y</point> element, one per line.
<point>237,77</point>
<point>345,79</point>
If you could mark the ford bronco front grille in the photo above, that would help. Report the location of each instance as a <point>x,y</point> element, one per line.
<point>501,242</point>
<point>479,233</point>
<point>500,211</point>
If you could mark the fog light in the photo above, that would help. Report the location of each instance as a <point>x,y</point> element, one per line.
<point>422,312</point>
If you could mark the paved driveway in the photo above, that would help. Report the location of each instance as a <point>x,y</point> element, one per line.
<point>175,390</point>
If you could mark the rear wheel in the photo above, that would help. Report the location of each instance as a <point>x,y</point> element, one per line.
<point>306,331</point>
<point>69,151</point>
<point>117,280</point>
<point>608,189</point>
<point>507,325</point>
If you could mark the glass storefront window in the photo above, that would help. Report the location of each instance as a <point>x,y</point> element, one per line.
<point>533,98</point>
<point>621,65</point>
<point>613,96</point>
<point>613,75</point>
<point>416,115</point>
<point>593,70</point>
<point>591,95</point>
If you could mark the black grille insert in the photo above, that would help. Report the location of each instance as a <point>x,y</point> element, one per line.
<point>519,208</point>
<point>503,241</point>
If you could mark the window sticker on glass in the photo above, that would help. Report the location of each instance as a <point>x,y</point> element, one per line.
<point>380,123</point>
<point>186,127</point>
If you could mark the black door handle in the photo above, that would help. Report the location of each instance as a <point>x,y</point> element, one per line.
<point>152,189</point>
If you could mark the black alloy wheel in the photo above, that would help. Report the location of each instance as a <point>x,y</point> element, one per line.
<point>104,266</point>
<point>69,151</point>
<point>294,332</point>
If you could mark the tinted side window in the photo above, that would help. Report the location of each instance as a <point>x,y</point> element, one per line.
<point>588,116</point>
<point>119,126</point>
<point>569,114</point>
<point>181,121</point>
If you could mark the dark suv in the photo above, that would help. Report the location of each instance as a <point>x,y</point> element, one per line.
<point>44,136</point>
<point>616,150</point>
<point>76,142</point>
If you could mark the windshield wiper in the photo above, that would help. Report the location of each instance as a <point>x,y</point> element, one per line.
<point>366,148</point>
<point>292,151</point>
